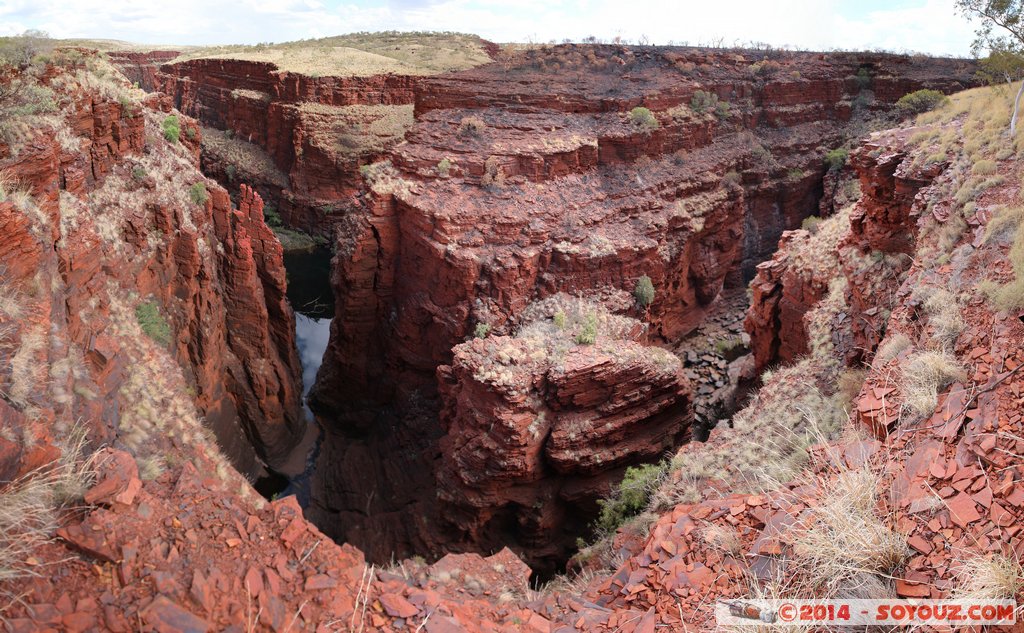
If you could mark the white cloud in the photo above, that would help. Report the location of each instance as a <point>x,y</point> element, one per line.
<point>920,25</point>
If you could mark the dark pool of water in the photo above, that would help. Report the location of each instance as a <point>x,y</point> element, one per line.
<point>309,283</point>
<point>311,296</point>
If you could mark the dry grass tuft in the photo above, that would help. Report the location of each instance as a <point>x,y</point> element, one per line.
<point>847,537</point>
<point>722,538</point>
<point>924,374</point>
<point>891,347</point>
<point>944,316</point>
<point>994,577</point>
<point>30,506</point>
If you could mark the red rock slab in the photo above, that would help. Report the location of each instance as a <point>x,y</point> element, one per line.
<point>920,543</point>
<point>442,624</point>
<point>396,606</point>
<point>118,479</point>
<point>648,622</point>
<point>166,617</point>
<point>320,581</point>
<point>90,538</point>
<point>962,510</point>
<point>1000,516</point>
<point>911,590</point>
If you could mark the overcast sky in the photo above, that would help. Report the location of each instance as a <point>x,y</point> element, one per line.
<point>930,26</point>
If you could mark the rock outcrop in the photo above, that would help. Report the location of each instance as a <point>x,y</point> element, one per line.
<point>129,295</point>
<point>538,424</point>
<point>112,234</point>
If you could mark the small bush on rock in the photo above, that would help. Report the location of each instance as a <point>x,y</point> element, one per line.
<point>197,194</point>
<point>722,110</point>
<point>471,126</point>
<point>703,101</point>
<point>153,322</point>
<point>644,291</point>
<point>172,128</point>
<point>921,101</point>
<point>836,159</point>
<point>632,495</point>
<point>588,334</point>
<point>482,330</point>
<point>643,118</point>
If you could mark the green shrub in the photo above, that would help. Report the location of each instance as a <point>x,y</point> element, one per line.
<point>836,159</point>
<point>795,174</point>
<point>643,292</point>
<point>588,334</point>
<point>722,110</point>
<point>811,223</point>
<point>138,172</point>
<point>482,330</point>
<point>197,193</point>
<point>702,102</point>
<point>559,319</point>
<point>127,107</point>
<point>765,68</point>
<point>190,132</point>
<point>863,78</point>
<point>921,101</point>
<point>444,167</point>
<point>271,216</point>
<point>643,118</point>
<point>153,322</point>
<point>172,128</point>
<point>231,171</point>
<point>732,179</point>
<point>632,496</point>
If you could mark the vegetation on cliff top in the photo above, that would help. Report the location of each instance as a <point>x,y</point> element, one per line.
<point>360,54</point>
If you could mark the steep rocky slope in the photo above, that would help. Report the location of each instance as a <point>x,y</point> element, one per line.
<point>110,227</point>
<point>912,488</point>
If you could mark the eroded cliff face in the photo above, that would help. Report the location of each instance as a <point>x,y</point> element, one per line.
<point>111,231</point>
<point>458,201</point>
<point>515,184</point>
<point>313,133</point>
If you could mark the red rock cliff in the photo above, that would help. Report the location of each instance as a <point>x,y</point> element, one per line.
<point>116,229</point>
<point>516,183</point>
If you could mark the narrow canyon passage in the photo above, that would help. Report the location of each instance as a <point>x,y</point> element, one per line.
<point>311,296</point>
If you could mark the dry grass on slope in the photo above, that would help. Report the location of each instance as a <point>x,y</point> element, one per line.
<point>251,162</point>
<point>361,54</point>
<point>30,506</point>
<point>346,132</point>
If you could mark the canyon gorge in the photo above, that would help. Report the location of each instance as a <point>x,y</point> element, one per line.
<point>533,266</point>
<point>484,198</point>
